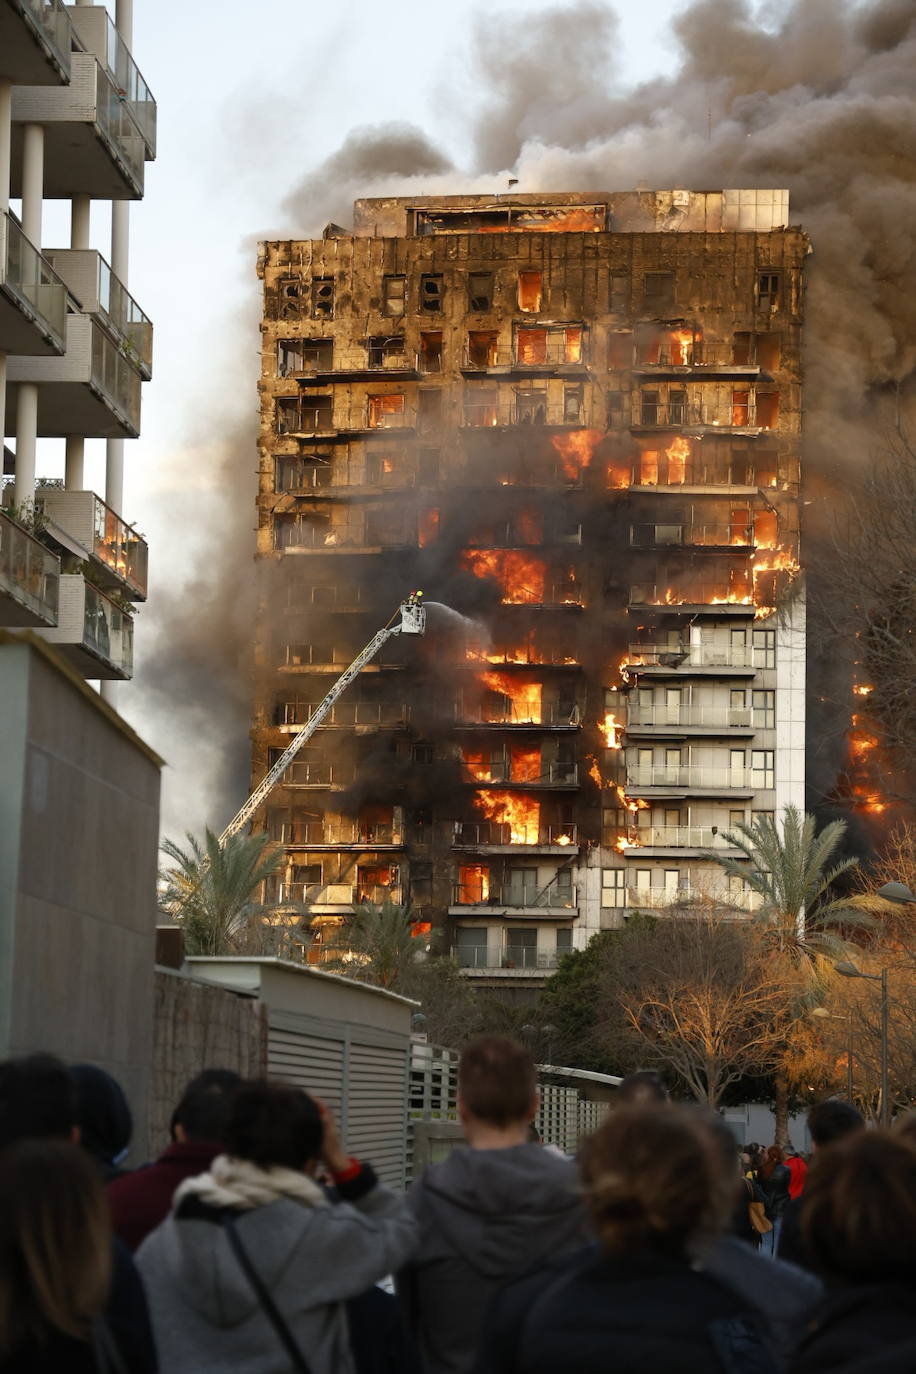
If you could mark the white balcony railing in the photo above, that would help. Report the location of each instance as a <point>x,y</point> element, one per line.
<point>688,775</point>
<point>329,894</point>
<point>716,717</point>
<point>521,957</point>
<point>662,899</point>
<point>675,836</point>
<point>31,281</point>
<point>29,577</point>
<point>474,834</point>
<point>302,834</point>
<point>693,656</point>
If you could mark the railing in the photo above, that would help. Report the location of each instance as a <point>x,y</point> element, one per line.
<point>674,414</point>
<point>298,475</point>
<point>674,836</point>
<point>115,377</point>
<point>700,355</point>
<point>654,536</point>
<point>128,79</point>
<point>396,419</point>
<point>301,534</point>
<point>396,362</point>
<point>715,716</point>
<point>503,412</point>
<point>107,630</point>
<point>553,354</point>
<point>693,656</point>
<point>500,771</point>
<point>306,833</point>
<point>125,316</point>
<point>328,894</point>
<point>25,274</point>
<point>305,773</point>
<point>660,898</point>
<point>695,594</point>
<point>515,714</point>
<point>526,655</point>
<point>117,121</point>
<point>50,22</point>
<point>686,775</point>
<point>316,656</point>
<point>119,546</point>
<point>511,895</point>
<point>481,957</point>
<point>477,833</point>
<point>346,713</point>
<point>29,572</point>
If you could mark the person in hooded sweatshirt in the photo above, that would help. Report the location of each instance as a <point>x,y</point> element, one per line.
<point>257,1220</point>
<point>488,1212</point>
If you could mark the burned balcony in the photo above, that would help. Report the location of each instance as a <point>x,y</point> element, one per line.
<point>500,835</point>
<point>35,41</point>
<point>93,632</point>
<point>93,144</point>
<point>318,772</point>
<point>327,897</point>
<point>722,598</point>
<point>322,834</point>
<point>734,535</point>
<point>117,552</point>
<point>29,578</point>
<point>345,715</point>
<point>743,412</point>
<point>520,768</point>
<point>100,293</point>
<point>33,298</point>
<point>93,390</point>
<point>468,895</point>
<point>689,656</point>
<point>99,36</point>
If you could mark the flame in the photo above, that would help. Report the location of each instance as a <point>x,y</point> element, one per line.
<point>526,763</point>
<point>521,813</point>
<point>530,527</point>
<point>576,450</point>
<point>611,729</point>
<point>520,576</point>
<point>623,844</point>
<point>594,773</point>
<point>682,341</point>
<point>473,883</point>
<point>420,928</point>
<point>677,456</point>
<point>631,803</point>
<point>429,527</point>
<point>477,764</point>
<point>525,697</point>
<point>562,839</point>
<point>862,689</point>
<point>861,742</point>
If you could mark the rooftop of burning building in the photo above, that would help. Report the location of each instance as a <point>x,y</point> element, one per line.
<point>637,211</point>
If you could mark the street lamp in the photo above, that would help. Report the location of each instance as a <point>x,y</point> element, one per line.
<point>849,970</point>
<point>824,1015</point>
<point>550,1032</point>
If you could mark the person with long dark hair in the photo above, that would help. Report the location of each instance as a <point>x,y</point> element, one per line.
<point>56,1269</point>
<point>773,1179</point>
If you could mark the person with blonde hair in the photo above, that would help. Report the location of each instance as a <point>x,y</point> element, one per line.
<point>57,1274</point>
<point>640,1298</point>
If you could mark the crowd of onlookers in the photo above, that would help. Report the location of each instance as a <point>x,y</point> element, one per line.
<point>256,1243</point>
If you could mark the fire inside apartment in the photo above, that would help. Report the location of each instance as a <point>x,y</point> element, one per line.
<point>574,422</point>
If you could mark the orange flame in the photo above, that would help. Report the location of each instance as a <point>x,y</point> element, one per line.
<point>429,527</point>
<point>576,450</point>
<point>473,883</point>
<point>681,346</point>
<point>862,689</point>
<point>526,763</point>
<point>521,577</point>
<point>677,456</point>
<point>611,729</point>
<point>477,764</point>
<point>594,773</point>
<point>521,813</point>
<point>631,803</point>
<point>525,697</point>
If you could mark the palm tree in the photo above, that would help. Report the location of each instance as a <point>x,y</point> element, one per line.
<point>794,872</point>
<point>210,891</point>
<point>377,945</point>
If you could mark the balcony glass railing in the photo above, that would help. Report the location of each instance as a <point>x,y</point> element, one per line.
<point>131,85</point>
<point>687,775</point>
<point>513,895</point>
<point>661,898</point>
<point>504,957</point>
<point>306,773</point>
<point>50,22</point>
<point>119,546</point>
<point>522,712</point>
<point>715,717</point>
<point>305,833</point>
<point>544,774</point>
<point>346,713</point>
<point>692,656</point>
<point>329,894</point>
<point>29,572</point>
<point>108,631</point>
<point>674,836</point>
<point>116,378</point>
<point>27,276</point>
<point>476,833</point>
<point>655,536</point>
<point>125,317</point>
<point>693,594</point>
<point>118,126</point>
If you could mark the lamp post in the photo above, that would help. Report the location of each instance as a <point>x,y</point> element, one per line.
<point>825,1015</point>
<point>849,970</point>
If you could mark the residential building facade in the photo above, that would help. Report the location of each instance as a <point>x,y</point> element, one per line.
<point>574,421</point>
<point>77,123</point>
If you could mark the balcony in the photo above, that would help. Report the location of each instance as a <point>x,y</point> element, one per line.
<point>98,35</point>
<point>99,292</point>
<point>328,897</point>
<point>676,837</point>
<point>306,536</point>
<point>697,360</point>
<point>118,553</point>
<point>688,777</point>
<point>29,578</point>
<point>93,390</point>
<point>503,413</point>
<point>505,961</point>
<point>552,359</point>
<point>96,635</point>
<point>546,901</point>
<point>695,415</point>
<point>664,718</point>
<point>35,39</point>
<point>496,835</point>
<point>526,715</point>
<point>315,835</point>
<point>670,900</point>
<point>33,298</point>
<point>346,715</point>
<point>687,657</point>
<point>737,537</point>
<point>309,773</point>
<point>93,145</point>
<point>716,597</point>
<point>498,772</point>
<point>398,366</point>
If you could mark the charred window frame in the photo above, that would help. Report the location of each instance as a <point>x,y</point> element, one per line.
<point>394,295</point>
<point>650,407</point>
<point>530,291</point>
<point>287,415</point>
<point>289,299</point>
<point>432,293</point>
<point>530,407</point>
<point>619,293</point>
<point>422,752</point>
<point>428,467</point>
<point>769,288</point>
<point>316,414</point>
<point>573,405</point>
<point>387,350</point>
<point>616,403</point>
<point>658,290</point>
<point>322,298</point>
<point>429,408</point>
<point>431,351</point>
<point>480,292</point>
<point>421,882</point>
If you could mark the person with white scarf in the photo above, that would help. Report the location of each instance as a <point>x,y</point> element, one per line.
<point>259,1209</point>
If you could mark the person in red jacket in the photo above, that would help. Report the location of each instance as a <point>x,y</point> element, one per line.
<point>141,1200</point>
<point>797,1169</point>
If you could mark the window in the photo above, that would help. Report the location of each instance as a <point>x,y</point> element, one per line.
<point>737,704</point>
<point>522,947</point>
<point>387,351</point>
<point>521,887</point>
<point>564,940</point>
<point>289,356</point>
<point>766,473</point>
<point>658,289</point>
<point>736,763</point>
<point>323,298</point>
<point>768,289</point>
<point>735,818</point>
<point>429,412</point>
<point>529,291</point>
<point>573,402</point>
<point>472,946</point>
<point>764,648</point>
<point>767,409</point>
<point>619,351</point>
<point>386,412</point>
<point>420,752</point>
<point>289,299</point>
<point>619,294</point>
<point>648,468</point>
<point>431,351</point>
<point>317,414</point>
<point>287,414</point>
<point>764,704</point>
<point>481,406</point>
<point>531,347</point>
<point>650,407</point>
<point>677,407</point>
<point>769,816</point>
<point>615,407</point>
<point>741,409</point>
<point>530,407</point>
<point>480,291</point>
<point>428,467</point>
<point>382,468</point>
<point>432,293</point>
<point>421,883</point>
<point>763,769</point>
<point>482,349</point>
<point>394,295</point>
<point>301,474</point>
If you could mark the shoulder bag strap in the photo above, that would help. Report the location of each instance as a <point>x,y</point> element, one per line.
<point>268,1305</point>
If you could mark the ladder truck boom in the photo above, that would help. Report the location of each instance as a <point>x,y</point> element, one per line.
<point>412,622</point>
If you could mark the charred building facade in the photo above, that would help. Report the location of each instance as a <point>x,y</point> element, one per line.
<point>574,421</point>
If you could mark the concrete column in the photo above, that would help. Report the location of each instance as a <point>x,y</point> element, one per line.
<point>124,20</point>
<point>2,407</point>
<point>6,117</point>
<point>26,441</point>
<point>33,178</point>
<point>80,210</point>
<point>75,453</point>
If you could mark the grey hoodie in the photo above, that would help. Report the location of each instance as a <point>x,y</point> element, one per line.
<point>485,1216</point>
<point>205,1314</point>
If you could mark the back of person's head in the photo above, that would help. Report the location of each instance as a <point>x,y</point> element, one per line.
<point>55,1243</point>
<point>654,1180</point>
<point>859,1215</point>
<point>204,1105</point>
<point>497,1081</point>
<point>37,1098</point>
<point>103,1114</point>
<point>641,1089</point>
<point>832,1120</point>
<point>273,1124</point>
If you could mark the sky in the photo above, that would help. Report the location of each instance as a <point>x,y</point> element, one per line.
<point>250,99</point>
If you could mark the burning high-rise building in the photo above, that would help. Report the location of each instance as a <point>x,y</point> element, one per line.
<point>574,420</point>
